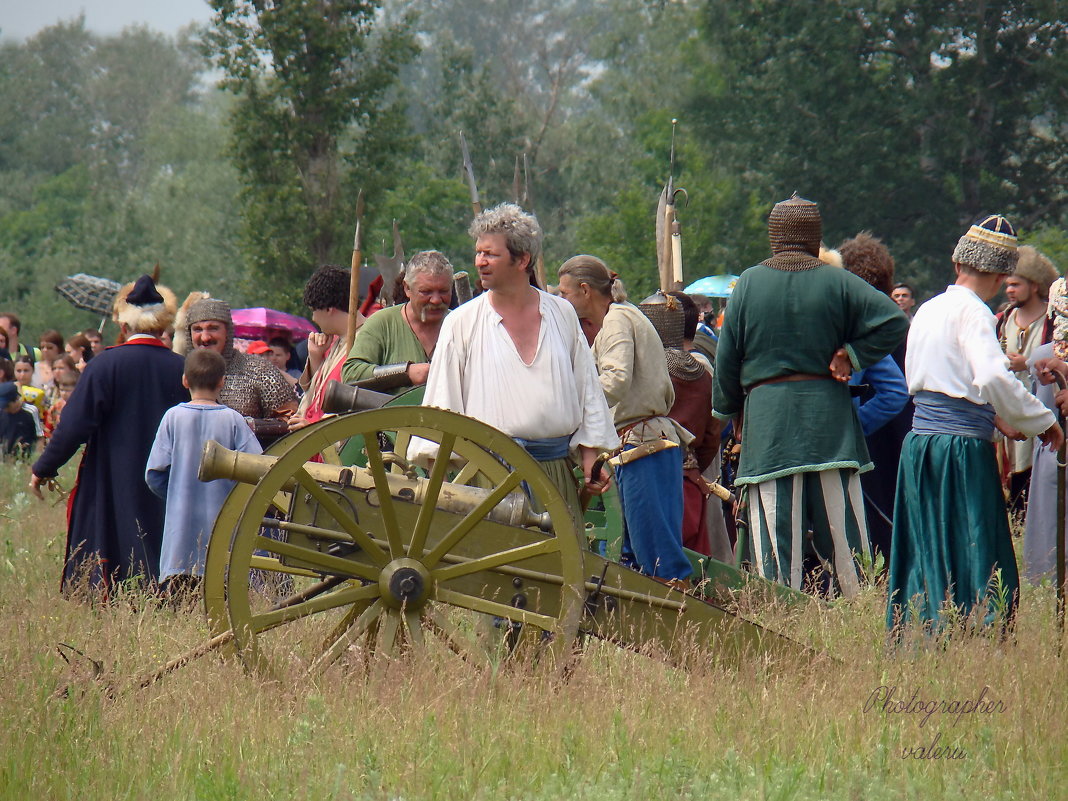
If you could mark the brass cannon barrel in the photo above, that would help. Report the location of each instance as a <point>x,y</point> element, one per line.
<point>219,462</point>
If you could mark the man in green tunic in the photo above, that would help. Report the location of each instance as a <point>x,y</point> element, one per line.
<point>793,332</point>
<point>396,343</point>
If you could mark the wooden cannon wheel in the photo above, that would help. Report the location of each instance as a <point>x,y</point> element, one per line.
<point>371,568</point>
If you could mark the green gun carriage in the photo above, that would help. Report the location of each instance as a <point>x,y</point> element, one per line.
<point>333,543</point>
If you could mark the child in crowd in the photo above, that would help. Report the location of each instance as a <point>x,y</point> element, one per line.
<point>18,433</point>
<point>65,384</point>
<point>31,396</point>
<point>173,464</point>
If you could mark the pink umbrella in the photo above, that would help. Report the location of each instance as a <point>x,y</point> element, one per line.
<point>261,323</point>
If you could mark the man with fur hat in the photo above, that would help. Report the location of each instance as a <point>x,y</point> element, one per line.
<point>1021,329</point>
<point>951,541</point>
<point>114,522</point>
<point>254,387</point>
<point>793,332</point>
<point>633,374</point>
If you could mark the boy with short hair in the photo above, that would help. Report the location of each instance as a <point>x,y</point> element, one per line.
<point>18,432</point>
<point>173,464</point>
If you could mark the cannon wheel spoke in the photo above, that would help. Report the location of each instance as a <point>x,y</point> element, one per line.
<point>359,621</point>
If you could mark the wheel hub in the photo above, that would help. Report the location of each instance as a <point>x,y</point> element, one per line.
<point>404,583</point>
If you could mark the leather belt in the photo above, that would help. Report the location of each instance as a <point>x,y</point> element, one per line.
<point>782,379</point>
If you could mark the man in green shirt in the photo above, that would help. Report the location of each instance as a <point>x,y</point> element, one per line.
<point>793,332</point>
<point>396,343</point>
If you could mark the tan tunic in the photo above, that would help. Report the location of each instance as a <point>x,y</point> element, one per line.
<point>1023,341</point>
<point>634,376</point>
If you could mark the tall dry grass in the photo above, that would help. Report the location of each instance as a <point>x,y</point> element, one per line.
<point>623,726</point>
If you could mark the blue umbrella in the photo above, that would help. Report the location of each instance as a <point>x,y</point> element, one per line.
<point>714,286</point>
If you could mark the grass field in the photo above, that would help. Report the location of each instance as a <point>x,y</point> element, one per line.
<point>623,726</point>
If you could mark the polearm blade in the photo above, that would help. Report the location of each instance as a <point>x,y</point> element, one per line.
<point>354,278</point>
<point>469,171</point>
<point>664,213</point>
<point>676,231</point>
<point>526,182</point>
<point>539,266</point>
<point>390,268</point>
<point>668,233</point>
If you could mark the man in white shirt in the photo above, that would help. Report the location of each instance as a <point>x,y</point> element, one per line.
<point>951,537</point>
<point>516,358</point>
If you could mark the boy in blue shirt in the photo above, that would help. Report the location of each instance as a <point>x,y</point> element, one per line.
<point>173,464</point>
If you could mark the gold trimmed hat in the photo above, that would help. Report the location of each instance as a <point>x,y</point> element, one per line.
<point>989,246</point>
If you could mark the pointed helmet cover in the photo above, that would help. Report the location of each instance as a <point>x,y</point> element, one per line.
<point>795,224</point>
<point>667,316</point>
<point>795,230</point>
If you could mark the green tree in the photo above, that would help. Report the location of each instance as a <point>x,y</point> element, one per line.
<point>111,159</point>
<point>909,119</point>
<point>312,80</point>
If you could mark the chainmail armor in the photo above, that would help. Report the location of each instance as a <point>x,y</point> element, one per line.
<point>683,365</point>
<point>254,387</point>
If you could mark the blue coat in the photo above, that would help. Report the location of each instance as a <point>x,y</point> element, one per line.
<point>114,522</point>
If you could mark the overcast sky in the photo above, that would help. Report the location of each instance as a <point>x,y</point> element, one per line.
<point>22,18</point>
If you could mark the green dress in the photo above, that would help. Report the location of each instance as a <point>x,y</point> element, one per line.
<point>385,338</point>
<point>780,323</point>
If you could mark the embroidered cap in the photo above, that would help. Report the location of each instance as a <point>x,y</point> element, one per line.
<point>989,246</point>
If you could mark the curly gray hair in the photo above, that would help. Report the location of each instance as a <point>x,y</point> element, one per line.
<point>427,262</point>
<point>521,231</point>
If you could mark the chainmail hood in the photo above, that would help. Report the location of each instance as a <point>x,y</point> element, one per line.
<point>795,230</point>
<point>213,309</point>
<point>667,316</point>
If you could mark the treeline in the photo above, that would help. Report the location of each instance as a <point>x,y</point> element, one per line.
<point>232,155</point>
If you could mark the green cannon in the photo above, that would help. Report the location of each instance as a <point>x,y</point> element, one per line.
<point>312,559</point>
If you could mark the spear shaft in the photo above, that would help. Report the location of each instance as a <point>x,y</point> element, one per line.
<point>469,171</point>
<point>354,279</point>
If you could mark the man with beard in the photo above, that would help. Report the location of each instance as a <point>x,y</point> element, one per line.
<point>397,342</point>
<point>1021,329</point>
<point>515,358</point>
<point>114,522</point>
<point>254,387</point>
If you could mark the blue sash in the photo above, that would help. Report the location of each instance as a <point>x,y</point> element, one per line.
<point>545,450</point>
<point>940,414</point>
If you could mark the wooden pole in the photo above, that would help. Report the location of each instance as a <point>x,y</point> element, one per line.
<point>354,280</point>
